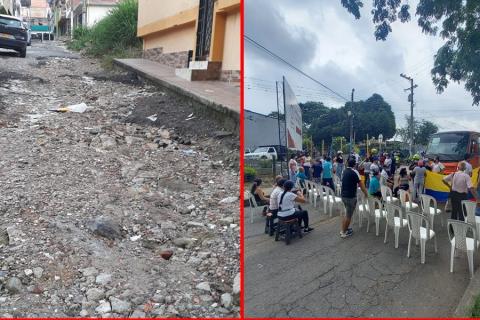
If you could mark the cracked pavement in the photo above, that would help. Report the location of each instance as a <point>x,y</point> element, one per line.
<point>323,275</point>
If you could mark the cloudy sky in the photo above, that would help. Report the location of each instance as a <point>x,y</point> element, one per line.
<point>323,39</point>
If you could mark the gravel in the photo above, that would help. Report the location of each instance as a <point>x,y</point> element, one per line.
<point>76,188</point>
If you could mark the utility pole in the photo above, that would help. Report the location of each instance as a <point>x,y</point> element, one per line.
<point>410,98</point>
<point>279,135</point>
<point>351,126</point>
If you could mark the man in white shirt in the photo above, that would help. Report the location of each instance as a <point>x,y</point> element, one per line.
<point>468,166</point>
<point>437,167</point>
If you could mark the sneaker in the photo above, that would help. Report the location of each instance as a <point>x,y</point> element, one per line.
<point>346,234</point>
<point>349,230</point>
<point>307,230</point>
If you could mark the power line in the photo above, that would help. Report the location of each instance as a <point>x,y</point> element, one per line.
<point>292,66</point>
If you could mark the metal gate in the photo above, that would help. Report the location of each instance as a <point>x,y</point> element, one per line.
<point>204,30</point>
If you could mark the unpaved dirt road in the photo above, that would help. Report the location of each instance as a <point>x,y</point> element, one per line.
<point>90,202</point>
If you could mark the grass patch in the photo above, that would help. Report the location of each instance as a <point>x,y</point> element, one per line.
<point>475,313</point>
<point>115,36</point>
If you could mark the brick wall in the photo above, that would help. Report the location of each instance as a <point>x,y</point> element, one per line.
<point>173,59</point>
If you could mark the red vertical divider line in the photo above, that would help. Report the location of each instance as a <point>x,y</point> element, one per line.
<point>242,211</point>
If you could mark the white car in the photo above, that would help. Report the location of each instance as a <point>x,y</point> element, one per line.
<point>263,153</point>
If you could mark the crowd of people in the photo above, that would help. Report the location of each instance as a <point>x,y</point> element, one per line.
<point>378,170</point>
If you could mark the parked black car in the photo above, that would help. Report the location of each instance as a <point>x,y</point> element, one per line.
<point>13,34</point>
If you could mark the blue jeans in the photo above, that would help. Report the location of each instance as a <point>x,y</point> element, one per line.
<point>477,211</point>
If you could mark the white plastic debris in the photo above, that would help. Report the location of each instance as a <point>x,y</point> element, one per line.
<point>79,108</point>
<point>229,200</point>
<point>135,238</point>
<point>153,117</point>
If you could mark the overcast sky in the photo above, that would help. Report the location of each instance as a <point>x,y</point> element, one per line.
<point>324,40</point>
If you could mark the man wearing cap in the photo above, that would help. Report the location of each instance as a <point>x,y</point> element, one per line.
<point>350,182</point>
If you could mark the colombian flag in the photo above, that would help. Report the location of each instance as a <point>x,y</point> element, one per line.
<point>437,189</point>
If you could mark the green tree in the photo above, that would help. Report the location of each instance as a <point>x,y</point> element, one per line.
<point>274,114</point>
<point>312,110</point>
<point>371,117</point>
<point>459,58</point>
<point>422,131</point>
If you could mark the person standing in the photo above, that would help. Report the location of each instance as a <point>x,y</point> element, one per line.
<point>468,166</point>
<point>461,184</point>
<point>350,182</point>
<point>437,167</point>
<point>388,163</point>
<point>339,162</point>
<point>419,180</point>
<point>366,169</point>
<point>306,166</point>
<point>327,173</point>
<point>317,170</point>
<point>393,166</point>
<point>292,168</point>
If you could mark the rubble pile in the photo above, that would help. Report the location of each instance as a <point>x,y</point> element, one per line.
<point>106,217</point>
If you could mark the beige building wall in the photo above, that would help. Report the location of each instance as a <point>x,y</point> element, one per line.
<point>181,39</point>
<point>150,11</point>
<point>231,49</point>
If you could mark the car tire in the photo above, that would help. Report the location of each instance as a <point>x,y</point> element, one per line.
<point>23,53</point>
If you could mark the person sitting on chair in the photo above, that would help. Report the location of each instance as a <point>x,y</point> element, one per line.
<point>260,197</point>
<point>286,206</point>
<point>374,186</point>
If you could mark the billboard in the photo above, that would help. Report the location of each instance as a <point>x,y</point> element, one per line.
<point>293,118</point>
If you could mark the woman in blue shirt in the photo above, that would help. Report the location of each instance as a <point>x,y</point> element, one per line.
<point>327,174</point>
<point>374,186</point>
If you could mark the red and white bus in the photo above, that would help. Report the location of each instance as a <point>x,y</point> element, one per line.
<point>452,146</point>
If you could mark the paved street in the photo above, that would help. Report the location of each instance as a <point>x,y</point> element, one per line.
<point>323,275</point>
<point>117,211</point>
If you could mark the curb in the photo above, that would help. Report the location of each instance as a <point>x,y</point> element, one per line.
<point>225,116</point>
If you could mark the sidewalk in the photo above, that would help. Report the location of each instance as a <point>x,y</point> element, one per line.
<point>219,96</point>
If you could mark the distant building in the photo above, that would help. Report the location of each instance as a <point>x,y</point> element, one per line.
<point>88,13</point>
<point>205,32</point>
<point>262,130</point>
<point>10,7</point>
<point>71,14</point>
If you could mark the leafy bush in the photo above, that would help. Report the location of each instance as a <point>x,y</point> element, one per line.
<point>113,36</point>
<point>265,163</point>
<point>475,311</point>
<point>249,173</point>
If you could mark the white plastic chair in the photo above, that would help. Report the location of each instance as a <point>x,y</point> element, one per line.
<point>362,208</point>
<point>468,209</point>
<point>253,204</point>
<point>338,185</point>
<point>419,232</point>
<point>387,195</point>
<point>429,210</point>
<point>330,199</point>
<point>457,233</point>
<point>397,222</point>
<point>316,192</point>
<point>407,205</point>
<point>376,210</point>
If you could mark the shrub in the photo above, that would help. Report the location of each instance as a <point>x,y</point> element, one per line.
<point>116,31</point>
<point>249,174</point>
<point>113,36</point>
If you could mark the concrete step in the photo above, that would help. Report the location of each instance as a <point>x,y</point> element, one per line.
<point>200,71</point>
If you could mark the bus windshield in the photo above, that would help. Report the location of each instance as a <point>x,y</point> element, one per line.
<point>450,146</point>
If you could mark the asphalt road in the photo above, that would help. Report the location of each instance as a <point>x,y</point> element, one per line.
<point>323,275</point>
<point>41,50</point>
